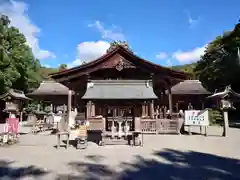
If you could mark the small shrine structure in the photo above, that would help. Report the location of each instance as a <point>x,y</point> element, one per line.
<point>190,93</point>
<point>52,93</point>
<point>12,103</point>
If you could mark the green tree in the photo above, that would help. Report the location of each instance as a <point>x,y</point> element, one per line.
<point>21,69</point>
<point>220,65</point>
<point>188,68</point>
<point>44,72</point>
<point>4,59</point>
<point>62,67</point>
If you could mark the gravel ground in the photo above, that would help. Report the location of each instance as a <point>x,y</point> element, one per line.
<point>167,157</point>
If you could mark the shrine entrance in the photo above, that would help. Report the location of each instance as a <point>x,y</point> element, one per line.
<point>119,119</point>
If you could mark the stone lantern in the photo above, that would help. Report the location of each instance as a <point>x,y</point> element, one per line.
<point>13,102</point>
<point>226,98</point>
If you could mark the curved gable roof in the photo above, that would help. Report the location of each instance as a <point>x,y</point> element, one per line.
<point>120,49</point>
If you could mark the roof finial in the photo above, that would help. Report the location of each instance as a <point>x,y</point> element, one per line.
<point>115,44</point>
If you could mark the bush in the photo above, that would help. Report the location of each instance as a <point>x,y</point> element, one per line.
<point>216,117</point>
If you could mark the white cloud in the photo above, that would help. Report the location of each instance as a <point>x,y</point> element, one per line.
<point>189,56</point>
<point>169,63</point>
<point>77,62</point>
<point>162,55</point>
<point>91,50</point>
<point>111,33</point>
<point>88,51</point>
<point>17,13</point>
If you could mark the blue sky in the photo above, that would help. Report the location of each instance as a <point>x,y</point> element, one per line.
<point>167,32</point>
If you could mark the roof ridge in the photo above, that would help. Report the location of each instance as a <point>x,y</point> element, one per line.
<point>113,81</point>
<point>120,80</point>
<point>191,80</point>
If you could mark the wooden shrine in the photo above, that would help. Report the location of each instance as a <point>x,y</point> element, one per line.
<point>122,90</point>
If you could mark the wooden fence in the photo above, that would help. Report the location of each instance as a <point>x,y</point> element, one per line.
<point>161,126</point>
<point>147,126</point>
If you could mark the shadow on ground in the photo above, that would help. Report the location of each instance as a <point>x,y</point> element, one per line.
<point>174,165</point>
<point>8,172</point>
<point>235,125</point>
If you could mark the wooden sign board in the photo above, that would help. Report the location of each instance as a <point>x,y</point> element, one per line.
<point>196,118</point>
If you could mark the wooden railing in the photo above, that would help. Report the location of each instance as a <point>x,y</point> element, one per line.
<point>161,126</point>
<point>96,123</point>
<point>149,125</point>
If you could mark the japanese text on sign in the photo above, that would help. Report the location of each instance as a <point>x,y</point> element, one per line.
<point>196,118</point>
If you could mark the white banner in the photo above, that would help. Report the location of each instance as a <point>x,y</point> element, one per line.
<point>196,118</point>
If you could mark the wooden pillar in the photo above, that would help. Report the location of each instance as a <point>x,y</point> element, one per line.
<point>165,111</point>
<point>55,108</point>
<point>69,106</point>
<point>92,109</point>
<point>177,107</point>
<point>151,109</point>
<point>75,101</point>
<point>88,113</point>
<point>146,109</point>
<point>157,112</point>
<point>170,101</point>
<point>202,103</point>
<point>143,109</point>
<point>113,119</point>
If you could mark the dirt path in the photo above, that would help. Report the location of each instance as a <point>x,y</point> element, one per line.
<point>162,157</point>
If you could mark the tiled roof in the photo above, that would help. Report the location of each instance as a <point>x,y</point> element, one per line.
<point>189,87</point>
<point>15,93</point>
<point>119,89</point>
<point>50,88</point>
